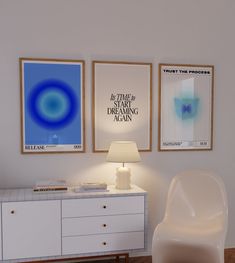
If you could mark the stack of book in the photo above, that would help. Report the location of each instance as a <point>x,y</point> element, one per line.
<point>51,186</point>
<point>91,187</point>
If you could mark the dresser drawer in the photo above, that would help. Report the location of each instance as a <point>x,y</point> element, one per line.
<point>102,206</point>
<point>102,224</point>
<point>106,242</point>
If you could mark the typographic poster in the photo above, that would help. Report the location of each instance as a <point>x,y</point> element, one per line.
<point>122,104</point>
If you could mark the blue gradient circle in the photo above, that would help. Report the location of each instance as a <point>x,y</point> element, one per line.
<point>52,104</point>
<point>186,108</point>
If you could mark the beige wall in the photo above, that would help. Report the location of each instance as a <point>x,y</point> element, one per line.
<point>182,31</point>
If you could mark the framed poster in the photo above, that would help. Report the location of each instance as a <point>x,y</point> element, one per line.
<point>52,105</point>
<point>122,104</point>
<point>185,107</point>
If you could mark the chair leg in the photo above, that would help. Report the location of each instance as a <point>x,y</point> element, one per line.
<point>117,259</point>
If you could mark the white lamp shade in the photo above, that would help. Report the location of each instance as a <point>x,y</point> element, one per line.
<point>123,152</point>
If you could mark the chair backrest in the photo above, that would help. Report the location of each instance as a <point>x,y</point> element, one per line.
<point>196,197</point>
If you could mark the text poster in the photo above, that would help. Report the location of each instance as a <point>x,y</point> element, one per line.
<point>121,104</point>
<point>186,104</point>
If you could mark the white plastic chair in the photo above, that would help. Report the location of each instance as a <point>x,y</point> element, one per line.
<point>195,223</point>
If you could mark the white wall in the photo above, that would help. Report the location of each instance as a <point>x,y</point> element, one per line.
<point>182,31</point>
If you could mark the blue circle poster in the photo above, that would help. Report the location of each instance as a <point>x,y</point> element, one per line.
<point>52,105</point>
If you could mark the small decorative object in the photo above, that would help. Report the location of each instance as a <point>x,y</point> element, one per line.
<point>123,152</point>
<point>91,187</point>
<point>122,104</point>
<point>51,186</point>
<point>52,105</point>
<point>185,107</point>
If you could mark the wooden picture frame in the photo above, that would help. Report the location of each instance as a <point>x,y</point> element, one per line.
<point>122,104</point>
<point>52,105</point>
<point>185,107</point>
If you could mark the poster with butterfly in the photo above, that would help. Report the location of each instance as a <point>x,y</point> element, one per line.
<point>52,105</point>
<point>185,107</point>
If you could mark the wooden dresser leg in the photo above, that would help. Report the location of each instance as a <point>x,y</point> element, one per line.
<point>117,259</point>
<point>127,258</point>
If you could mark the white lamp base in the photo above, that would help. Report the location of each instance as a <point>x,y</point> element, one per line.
<point>123,178</point>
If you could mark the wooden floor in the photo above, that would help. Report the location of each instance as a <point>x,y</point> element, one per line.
<point>131,260</point>
<point>229,256</point>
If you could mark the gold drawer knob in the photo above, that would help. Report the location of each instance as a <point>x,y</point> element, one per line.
<point>104,243</point>
<point>104,206</point>
<point>104,225</point>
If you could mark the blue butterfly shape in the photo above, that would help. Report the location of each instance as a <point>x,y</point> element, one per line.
<point>186,108</point>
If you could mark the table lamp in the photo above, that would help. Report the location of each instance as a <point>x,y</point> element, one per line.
<point>123,152</point>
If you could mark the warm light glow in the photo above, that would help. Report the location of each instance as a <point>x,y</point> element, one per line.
<point>123,152</point>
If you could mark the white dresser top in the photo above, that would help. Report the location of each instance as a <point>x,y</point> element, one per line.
<point>27,194</point>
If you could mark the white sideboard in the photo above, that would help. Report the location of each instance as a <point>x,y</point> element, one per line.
<point>39,226</point>
<point>31,229</point>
